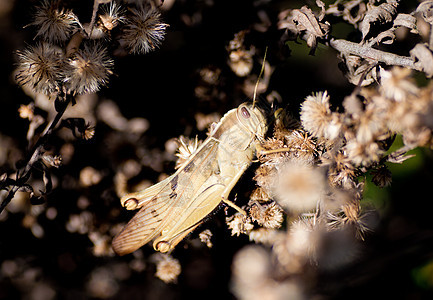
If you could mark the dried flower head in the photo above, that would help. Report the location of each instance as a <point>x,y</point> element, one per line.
<point>297,247</point>
<point>298,187</point>
<point>144,31</point>
<point>89,132</point>
<point>186,148</point>
<point>397,84</point>
<point>259,194</point>
<point>27,111</point>
<point>88,70</point>
<point>253,277</point>
<point>55,23</point>
<point>39,68</point>
<point>341,171</point>
<point>53,161</point>
<point>112,15</point>
<point>369,126</point>
<point>382,177</point>
<point>251,265</point>
<point>241,62</point>
<point>363,154</point>
<point>205,237</point>
<point>267,215</point>
<point>317,118</point>
<point>167,269</point>
<point>238,224</point>
<point>349,214</point>
<point>301,145</point>
<point>89,176</point>
<point>265,236</point>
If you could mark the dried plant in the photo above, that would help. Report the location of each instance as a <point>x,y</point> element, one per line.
<point>305,217</point>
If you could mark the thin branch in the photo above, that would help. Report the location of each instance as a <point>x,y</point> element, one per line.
<point>370,53</point>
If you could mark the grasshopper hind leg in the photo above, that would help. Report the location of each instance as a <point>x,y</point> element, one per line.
<point>233,205</point>
<point>167,245</point>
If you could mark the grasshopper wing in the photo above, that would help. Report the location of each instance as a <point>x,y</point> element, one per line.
<point>159,213</point>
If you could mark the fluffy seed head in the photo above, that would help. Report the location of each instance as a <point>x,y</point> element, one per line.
<point>39,68</point>
<point>88,70</point>
<point>144,31</point>
<point>241,62</point>
<point>317,118</point>
<point>298,187</point>
<point>55,23</point>
<point>112,15</point>
<point>168,269</point>
<point>363,154</point>
<point>186,148</point>
<point>397,84</point>
<point>238,224</point>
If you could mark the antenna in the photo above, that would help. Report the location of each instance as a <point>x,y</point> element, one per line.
<point>260,75</point>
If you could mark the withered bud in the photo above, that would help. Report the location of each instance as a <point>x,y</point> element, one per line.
<point>89,132</point>
<point>26,111</point>
<point>382,177</point>
<point>54,161</point>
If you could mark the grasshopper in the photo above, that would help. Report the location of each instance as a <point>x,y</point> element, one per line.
<point>174,207</point>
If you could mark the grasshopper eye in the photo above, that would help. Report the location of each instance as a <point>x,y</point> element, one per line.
<point>245,113</point>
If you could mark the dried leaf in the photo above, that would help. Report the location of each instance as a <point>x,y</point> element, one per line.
<point>26,188</point>
<point>321,5</point>
<point>424,58</point>
<point>306,21</point>
<point>352,11</point>
<point>405,20</point>
<point>34,124</point>
<point>358,69</point>
<point>75,124</point>
<point>426,10</point>
<point>386,37</point>
<point>398,158</point>
<point>48,184</point>
<point>381,14</point>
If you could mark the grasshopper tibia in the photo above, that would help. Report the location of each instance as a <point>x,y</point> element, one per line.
<point>262,151</point>
<point>230,203</point>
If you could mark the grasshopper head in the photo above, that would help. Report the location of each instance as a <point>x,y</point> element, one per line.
<point>253,118</point>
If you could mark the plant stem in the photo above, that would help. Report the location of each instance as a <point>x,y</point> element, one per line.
<point>36,151</point>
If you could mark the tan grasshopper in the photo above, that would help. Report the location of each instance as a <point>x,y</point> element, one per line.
<point>174,207</point>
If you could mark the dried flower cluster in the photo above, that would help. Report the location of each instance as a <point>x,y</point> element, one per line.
<point>317,179</point>
<point>68,61</point>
